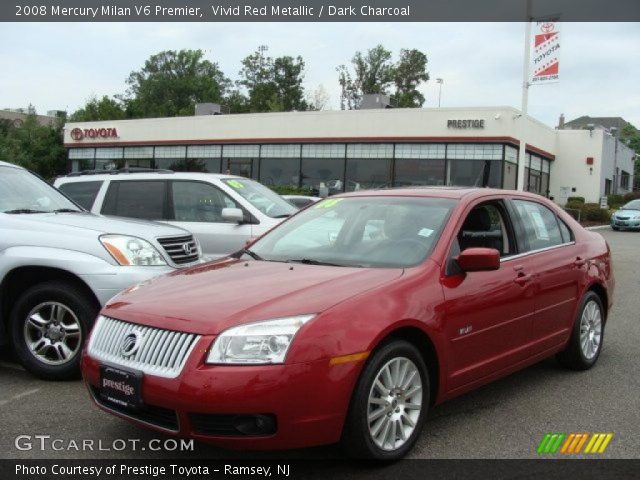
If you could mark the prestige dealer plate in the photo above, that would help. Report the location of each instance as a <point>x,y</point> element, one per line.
<point>120,386</point>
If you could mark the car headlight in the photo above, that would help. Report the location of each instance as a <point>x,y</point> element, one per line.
<point>131,250</point>
<point>257,343</point>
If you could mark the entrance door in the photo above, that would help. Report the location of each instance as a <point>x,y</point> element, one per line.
<point>242,167</point>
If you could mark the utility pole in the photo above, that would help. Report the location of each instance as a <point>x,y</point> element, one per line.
<point>525,101</point>
<point>439,81</point>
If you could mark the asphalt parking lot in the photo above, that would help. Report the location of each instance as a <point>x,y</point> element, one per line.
<point>506,419</point>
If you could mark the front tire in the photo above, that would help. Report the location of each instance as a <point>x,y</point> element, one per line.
<point>48,324</point>
<point>389,404</point>
<point>587,336</point>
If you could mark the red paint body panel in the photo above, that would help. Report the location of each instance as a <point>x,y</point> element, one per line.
<point>514,323</point>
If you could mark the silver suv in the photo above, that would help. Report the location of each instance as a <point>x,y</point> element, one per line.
<point>222,211</point>
<point>60,263</point>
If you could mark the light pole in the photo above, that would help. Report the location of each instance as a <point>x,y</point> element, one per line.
<point>439,81</point>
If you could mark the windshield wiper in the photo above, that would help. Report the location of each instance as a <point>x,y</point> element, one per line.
<point>246,251</point>
<point>283,215</point>
<point>67,210</point>
<point>24,210</point>
<point>311,261</point>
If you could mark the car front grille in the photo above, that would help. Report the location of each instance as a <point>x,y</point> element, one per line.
<point>233,425</point>
<point>622,218</point>
<point>150,414</point>
<point>181,250</point>
<point>159,352</point>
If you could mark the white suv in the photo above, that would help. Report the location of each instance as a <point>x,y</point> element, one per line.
<point>222,211</point>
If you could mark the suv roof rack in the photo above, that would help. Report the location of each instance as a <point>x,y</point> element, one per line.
<point>119,171</point>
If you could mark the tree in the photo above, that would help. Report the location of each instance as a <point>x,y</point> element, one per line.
<point>410,72</point>
<point>99,109</point>
<point>372,73</point>
<point>273,85</point>
<point>319,100</point>
<point>172,82</point>
<point>375,72</point>
<point>34,146</point>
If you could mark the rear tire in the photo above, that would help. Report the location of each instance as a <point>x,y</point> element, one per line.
<point>48,325</point>
<point>389,404</point>
<point>615,228</point>
<point>587,336</point>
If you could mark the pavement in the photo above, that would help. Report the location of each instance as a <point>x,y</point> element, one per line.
<point>506,419</point>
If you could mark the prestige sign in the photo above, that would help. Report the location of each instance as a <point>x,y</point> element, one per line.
<point>79,134</point>
<point>473,123</point>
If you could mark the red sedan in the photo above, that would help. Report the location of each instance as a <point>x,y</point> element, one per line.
<point>350,320</point>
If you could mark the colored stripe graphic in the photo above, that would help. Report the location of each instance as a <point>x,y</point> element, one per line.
<point>573,443</point>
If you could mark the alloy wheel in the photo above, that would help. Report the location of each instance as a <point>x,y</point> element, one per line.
<point>590,329</point>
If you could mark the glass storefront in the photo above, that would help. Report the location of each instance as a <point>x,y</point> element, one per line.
<point>336,166</point>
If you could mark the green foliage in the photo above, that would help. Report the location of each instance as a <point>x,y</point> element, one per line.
<point>288,190</point>
<point>273,85</point>
<point>171,83</point>
<point>630,196</point>
<point>36,147</point>
<point>591,212</point>
<point>99,109</point>
<point>575,199</point>
<point>615,200</point>
<point>574,205</point>
<point>375,72</point>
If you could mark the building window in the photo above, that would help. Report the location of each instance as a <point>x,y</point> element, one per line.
<point>607,186</point>
<point>109,158</point>
<point>138,152</point>
<point>329,171</point>
<point>474,151</point>
<point>241,160</point>
<point>364,173</point>
<point>510,176</point>
<point>410,171</point>
<point>476,173</point>
<point>624,180</point>
<point>328,150</point>
<point>81,159</point>
<point>280,171</point>
<point>280,151</point>
<point>511,154</point>
<point>369,150</point>
<point>420,150</point>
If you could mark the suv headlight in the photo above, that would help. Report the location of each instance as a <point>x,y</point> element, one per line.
<point>131,250</point>
<point>257,343</point>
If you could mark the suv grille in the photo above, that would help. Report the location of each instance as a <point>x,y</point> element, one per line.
<point>181,249</point>
<point>159,352</point>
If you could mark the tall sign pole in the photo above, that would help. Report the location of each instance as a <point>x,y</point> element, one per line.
<point>525,101</point>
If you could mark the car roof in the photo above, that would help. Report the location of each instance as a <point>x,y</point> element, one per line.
<point>452,192</point>
<point>163,175</point>
<point>6,164</point>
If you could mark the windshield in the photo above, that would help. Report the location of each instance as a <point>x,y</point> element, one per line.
<point>261,197</point>
<point>632,205</point>
<point>23,192</point>
<point>359,232</point>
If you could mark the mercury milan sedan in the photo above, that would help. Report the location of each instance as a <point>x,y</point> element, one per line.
<point>352,319</point>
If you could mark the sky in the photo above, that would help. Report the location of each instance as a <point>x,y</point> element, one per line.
<point>58,66</point>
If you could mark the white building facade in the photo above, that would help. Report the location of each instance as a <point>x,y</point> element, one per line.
<point>379,148</point>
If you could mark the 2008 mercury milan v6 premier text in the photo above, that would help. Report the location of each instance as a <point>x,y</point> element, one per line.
<point>350,320</point>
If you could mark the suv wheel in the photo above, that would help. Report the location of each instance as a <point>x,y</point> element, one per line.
<point>389,405</point>
<point>49,323</point>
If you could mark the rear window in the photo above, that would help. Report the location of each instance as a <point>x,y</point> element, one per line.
<point>136,199</point>
<point>83,193</point>
<point>540,225</point>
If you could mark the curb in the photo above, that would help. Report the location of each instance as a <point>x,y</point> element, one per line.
<point>598,227</point>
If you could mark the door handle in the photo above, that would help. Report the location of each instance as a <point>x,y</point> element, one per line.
<point>523,278</point>
<point>580,262</point>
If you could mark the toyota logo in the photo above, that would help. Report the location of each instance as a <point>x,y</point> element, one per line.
<point>188,249</point>
<point>130,344</point>
<point>77,134</point>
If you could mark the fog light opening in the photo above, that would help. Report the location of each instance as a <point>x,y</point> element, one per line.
<point>255,424</point>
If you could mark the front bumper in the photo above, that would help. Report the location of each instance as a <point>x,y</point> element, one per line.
<point>625,224</point>
<point>308,400</point>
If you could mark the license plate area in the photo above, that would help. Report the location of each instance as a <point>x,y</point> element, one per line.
<point>121,386</point>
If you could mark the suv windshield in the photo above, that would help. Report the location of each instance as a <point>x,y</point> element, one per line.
<point>632,205</point>
<point>391,232</point>
<point>264,199</point>
<point>23,192</point>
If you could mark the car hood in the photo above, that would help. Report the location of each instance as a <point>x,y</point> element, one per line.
<point>213,297</point>
<point>627,213</point>
<point>102,224</point>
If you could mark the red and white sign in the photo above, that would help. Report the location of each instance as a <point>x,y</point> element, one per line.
<point>79,134</point>
<point>544,66</point>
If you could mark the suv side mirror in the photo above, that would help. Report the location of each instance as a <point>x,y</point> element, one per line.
<point>478,259</point>
<point>233,215</point>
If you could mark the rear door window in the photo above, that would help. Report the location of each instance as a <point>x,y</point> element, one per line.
<point>540,225</point>
<point>199,202</point>
<point>136,199</point>
<point>83,193</point>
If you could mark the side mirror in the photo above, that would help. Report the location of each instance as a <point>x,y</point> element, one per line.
<point>479,259</point>
<point>233,215</point>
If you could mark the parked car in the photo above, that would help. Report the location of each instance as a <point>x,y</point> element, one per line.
<point>414,297</point>
<point>301,201</point>
<point>59,264</point>
<point>222,211</point>
<point>628,217</point>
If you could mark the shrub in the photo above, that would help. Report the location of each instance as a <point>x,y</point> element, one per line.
<point>592,212</point>
<point>287,190</point>
<point>574,204</point>
<point>630,196</point>
<point>575,199</point>
<point>615,200</point>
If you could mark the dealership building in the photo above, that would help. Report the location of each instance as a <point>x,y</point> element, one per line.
<point>367,148</point>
